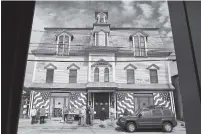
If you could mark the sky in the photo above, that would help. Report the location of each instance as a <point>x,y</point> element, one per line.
<point>137,14</point>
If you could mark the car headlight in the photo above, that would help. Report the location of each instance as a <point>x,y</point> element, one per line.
<point>122,120</point>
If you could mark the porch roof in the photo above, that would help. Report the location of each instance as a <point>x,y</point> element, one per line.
<point>58,85</point>
<point>101,85</point>
<point>141,87</point>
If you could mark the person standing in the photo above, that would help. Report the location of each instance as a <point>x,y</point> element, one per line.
<point>91,115</point>
<point>112,115</point>
<point>65,113</point>
<point>42,115</point>
<point>33,115</point>
<point>82,115</point>
<point>88,113</point>
<point>102,117</point>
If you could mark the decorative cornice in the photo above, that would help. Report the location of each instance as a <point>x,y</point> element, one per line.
<point>101,62</point>
<point>153,65</point>
<point>139,31</point>
<point>73,65</point>
<point>134,67</point>
<point>50,64</point>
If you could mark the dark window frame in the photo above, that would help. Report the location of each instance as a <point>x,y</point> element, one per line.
<point>155,80</point>
<point>72,77</point>
<point>96,74</point>
<point>49,76</point>
<point>133,77</point>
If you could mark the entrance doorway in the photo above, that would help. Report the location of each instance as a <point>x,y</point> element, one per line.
<point>101,100</point>
<point>143,100</point>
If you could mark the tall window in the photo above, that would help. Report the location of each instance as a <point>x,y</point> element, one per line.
<point>130,76</point>
<point>106,75</point>
<point>101,38</point>
<point>63,44</point>
<point>153,76</point>
<point>49,75</point>
<point>96,75</point>
<point>73,76</point>
<point>139,43</point>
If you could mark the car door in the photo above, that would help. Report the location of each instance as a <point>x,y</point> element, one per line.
<point>145,119</point>
<point>157,117</point>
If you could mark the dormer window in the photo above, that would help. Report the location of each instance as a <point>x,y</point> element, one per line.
<point>139,43</point>
<point>101,17</point>
<point>63,43</point>
<point>101,38</point>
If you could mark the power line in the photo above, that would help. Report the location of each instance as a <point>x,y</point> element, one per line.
<point>110,35</point>
<point>96,61</point>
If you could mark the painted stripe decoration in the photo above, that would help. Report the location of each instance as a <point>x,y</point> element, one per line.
<point>125,101</point>
<point>162,99</point>
<point>77,100</point>
<point>41,99</point>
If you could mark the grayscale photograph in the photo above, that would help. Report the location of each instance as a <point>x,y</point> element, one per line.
<point>97,67</point>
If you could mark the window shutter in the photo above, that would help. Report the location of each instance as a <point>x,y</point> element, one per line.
<point>142,46</point>
<point>49,75</point>
<point>137,47</point>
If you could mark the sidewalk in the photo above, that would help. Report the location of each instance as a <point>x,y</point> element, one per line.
<point>52,124</point>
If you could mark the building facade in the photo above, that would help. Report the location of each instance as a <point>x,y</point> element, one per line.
<point>101,66</point>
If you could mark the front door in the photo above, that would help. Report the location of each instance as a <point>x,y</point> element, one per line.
<point>101,100</point>
<point>58,108</point>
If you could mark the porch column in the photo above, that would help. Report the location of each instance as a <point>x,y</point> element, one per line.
<point>115,104</point>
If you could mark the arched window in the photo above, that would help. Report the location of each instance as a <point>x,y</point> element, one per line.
<point>63,44</point>
<point>96,75</point>
<point>106,75</point>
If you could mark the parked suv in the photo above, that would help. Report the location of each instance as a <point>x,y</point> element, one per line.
<point>152,117</point>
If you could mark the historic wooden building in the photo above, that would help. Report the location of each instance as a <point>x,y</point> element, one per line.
<point>101,66</point>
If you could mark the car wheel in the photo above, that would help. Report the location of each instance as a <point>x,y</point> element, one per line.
<point>167,127</point>
<point>131,127</point>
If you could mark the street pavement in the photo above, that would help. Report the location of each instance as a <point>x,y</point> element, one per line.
<point>58,127</point>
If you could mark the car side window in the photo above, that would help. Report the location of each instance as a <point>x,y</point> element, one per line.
<point>167,112</point>
<point>146,113</point>
<point>157,112</point>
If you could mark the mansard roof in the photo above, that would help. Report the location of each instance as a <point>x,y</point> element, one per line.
<point>83,37</point>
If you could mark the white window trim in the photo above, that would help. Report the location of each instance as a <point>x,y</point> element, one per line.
<point>97,38</point>
<point>69,41</point>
